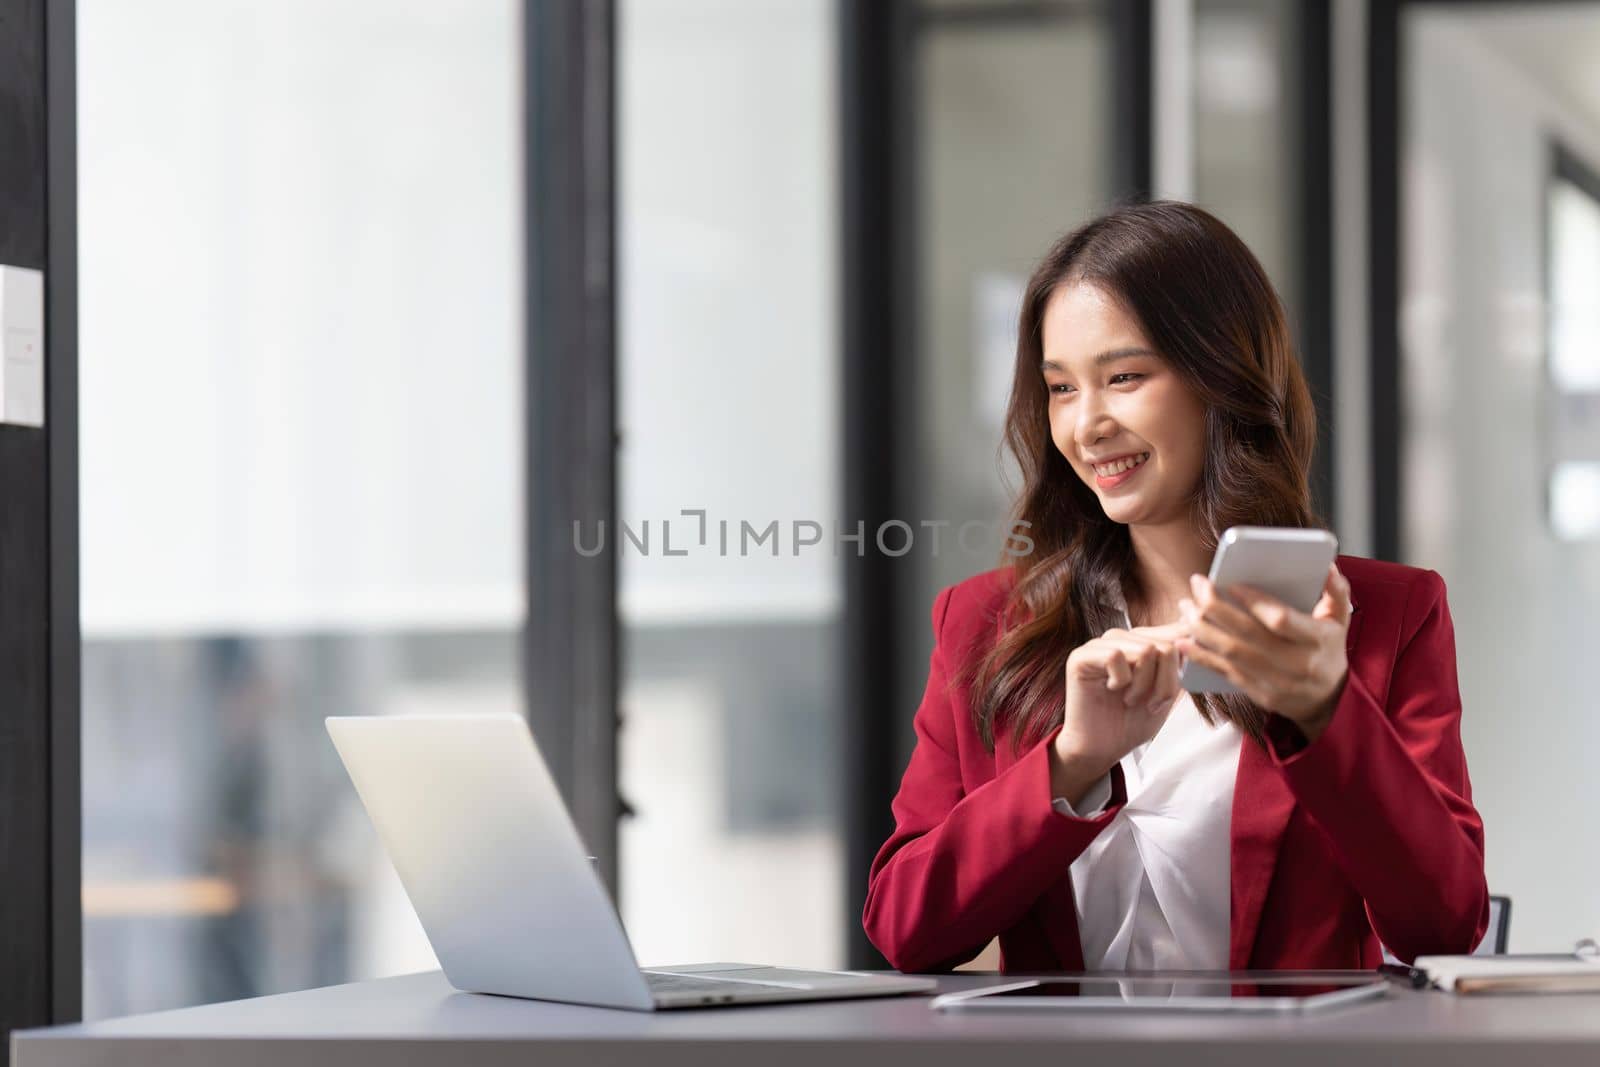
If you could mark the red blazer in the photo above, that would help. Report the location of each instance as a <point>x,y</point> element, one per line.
<point>1367,834</point>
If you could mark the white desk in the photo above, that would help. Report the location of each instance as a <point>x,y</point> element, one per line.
<point>419,1019</point>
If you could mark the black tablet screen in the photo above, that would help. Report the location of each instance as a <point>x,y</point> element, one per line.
<point>1154,988</point>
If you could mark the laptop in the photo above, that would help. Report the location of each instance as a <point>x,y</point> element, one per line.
<point>472,820</point>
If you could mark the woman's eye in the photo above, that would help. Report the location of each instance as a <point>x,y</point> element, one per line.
<point>1060,388</point>
<point>1129,376</point>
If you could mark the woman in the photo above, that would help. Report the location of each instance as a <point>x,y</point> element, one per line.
<point>1065,794</point>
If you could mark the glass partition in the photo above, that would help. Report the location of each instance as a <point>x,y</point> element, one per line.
<point>728,400</point>
<point>1500,433</point>
<point>301,463</point>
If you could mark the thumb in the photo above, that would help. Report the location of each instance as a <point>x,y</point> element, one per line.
<point>1335,602</point>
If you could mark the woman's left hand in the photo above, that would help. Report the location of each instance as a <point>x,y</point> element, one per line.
<point>1284,660</point>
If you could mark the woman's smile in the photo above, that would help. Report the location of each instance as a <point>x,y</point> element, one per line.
<point>1115,472</point>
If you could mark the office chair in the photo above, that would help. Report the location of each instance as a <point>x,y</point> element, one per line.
<point>1499,933</point>
<point>1495,938</point>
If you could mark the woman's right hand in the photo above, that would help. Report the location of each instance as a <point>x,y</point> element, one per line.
<point>1119,688</point>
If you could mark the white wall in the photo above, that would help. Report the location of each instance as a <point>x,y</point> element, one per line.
<point>1523,602</point>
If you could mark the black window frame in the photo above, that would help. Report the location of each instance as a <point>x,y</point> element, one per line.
<point>41,922</point>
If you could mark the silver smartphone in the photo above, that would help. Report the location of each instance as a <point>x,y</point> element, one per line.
<point>1283,562</point>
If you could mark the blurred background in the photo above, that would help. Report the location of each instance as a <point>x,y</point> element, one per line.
<point>704,284</point>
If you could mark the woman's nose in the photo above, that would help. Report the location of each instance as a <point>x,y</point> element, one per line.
<point>1093,423</point>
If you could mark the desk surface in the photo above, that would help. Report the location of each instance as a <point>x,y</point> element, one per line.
<point>420,1019</point>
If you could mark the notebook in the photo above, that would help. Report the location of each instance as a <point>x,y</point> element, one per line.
<point>1513,974</point>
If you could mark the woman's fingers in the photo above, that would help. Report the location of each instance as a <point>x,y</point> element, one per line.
<point>1211,607</point>
<point>1128,665</point>
<point>1275,616</point>
<point>1243,651</point>
<point>1144,663</point>
<point>1160,686</point>
<point>1118,673</point>
<point>1168,680</point>
<point>1106,659</point>
<point>1140,665</point>
<point>1222,665</point>
<point>1155,663</point>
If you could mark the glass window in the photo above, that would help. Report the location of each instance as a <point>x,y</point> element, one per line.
<point>301,463</point>
<point>1247,129</point>
<point>728,403</point>
<point>1500,447</point>
<point>1013,147</point>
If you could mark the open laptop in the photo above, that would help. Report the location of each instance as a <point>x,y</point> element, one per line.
<point>494,868</point>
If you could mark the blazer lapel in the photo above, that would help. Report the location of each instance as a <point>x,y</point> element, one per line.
<point>1262,805</point>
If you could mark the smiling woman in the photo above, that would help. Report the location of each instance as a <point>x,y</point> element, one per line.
<point>1138,322</point>
<point>1065,794</point>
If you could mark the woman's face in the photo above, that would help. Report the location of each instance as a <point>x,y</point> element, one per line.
<point>1130,427</point>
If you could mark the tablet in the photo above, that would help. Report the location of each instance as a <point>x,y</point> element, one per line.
<point>1168,994</point>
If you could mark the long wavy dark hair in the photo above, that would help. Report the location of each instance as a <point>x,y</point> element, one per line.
<point>1211,313</point>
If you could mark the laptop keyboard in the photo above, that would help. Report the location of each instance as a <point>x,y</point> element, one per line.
<point>679,983</point>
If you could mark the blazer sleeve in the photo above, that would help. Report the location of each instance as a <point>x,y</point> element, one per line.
<point>1387,783</point>
<point>963,866</point>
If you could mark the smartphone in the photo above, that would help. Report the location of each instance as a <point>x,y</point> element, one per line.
<point>1283,562</point>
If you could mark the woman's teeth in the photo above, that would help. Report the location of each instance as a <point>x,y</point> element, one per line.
<point>1106,470</point>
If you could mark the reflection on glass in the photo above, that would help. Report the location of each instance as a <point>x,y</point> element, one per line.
<point>300,464</point>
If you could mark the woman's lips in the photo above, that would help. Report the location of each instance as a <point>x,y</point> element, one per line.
<point>1111,481</point>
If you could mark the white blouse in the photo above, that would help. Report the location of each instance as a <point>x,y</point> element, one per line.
<point>1153,887</point>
